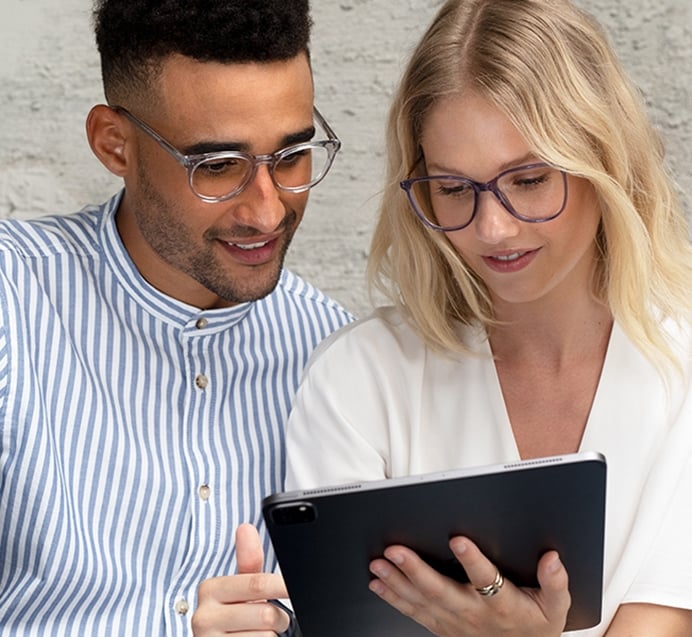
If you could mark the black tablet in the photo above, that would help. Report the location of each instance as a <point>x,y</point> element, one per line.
<point>325,538</point>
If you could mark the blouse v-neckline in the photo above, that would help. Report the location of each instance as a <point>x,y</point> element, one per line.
<point>509,441</point>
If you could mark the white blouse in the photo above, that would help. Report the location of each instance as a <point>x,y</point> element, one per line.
<point>376,403</point>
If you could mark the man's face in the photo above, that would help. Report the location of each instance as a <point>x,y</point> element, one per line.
<point>215,254</point>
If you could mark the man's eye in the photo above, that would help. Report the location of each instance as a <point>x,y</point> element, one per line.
<point>222,166</point>
<point>295,157</point>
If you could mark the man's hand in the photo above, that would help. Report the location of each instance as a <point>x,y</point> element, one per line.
<point>237,604</point>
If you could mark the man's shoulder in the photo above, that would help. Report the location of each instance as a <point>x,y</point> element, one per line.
<point>304,298</point>
<point>75,233</point>
<point>383,330</point>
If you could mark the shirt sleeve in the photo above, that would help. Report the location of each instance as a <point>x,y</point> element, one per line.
<point>4,363</point>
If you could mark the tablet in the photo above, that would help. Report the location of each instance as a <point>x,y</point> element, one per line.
<point>325,538</point>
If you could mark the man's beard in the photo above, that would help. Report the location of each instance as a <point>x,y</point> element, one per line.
<point>158,223</point>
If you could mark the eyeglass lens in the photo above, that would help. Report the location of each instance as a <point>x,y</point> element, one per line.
<point>535,193</point>
<point>295,168</point>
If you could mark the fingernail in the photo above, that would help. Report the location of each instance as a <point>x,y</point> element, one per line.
<point>376,587</point>
<point>458,546</point>
<point>554,565</point>
<point>380,571</point>
<point>397,558</point>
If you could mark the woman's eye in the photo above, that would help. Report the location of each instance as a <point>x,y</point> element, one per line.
<point>456,190</point>
<point>530,180</point>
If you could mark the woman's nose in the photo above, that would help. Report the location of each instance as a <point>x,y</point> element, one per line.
<point>493,222</point>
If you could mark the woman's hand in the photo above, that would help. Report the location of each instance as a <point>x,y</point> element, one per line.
<point>450,609</point>
<point>238,603</point>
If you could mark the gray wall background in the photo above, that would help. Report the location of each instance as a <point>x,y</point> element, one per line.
<point>50,78</point>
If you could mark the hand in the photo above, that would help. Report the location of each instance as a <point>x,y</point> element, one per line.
<point>238,604</point>
<point>450,609</point>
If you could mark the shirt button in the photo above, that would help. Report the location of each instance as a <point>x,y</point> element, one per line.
<point>201,381</point>
<point>204,492</point>
<point>182,607</point>
<point>201,323</point>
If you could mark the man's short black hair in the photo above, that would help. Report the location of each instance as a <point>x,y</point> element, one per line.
<point>134,36</point>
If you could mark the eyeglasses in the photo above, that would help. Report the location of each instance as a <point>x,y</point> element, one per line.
<point>534,193</point>
<point>219,176</point>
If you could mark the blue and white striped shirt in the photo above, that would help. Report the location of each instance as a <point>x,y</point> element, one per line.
<point>136,432</point>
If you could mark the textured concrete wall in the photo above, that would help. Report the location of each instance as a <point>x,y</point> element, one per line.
<point>49,72</point>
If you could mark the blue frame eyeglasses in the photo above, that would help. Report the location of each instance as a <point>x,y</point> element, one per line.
<point>534,193</point>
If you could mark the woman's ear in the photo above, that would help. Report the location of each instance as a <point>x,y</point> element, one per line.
<point>107,134</point>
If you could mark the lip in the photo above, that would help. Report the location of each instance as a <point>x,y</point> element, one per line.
<point>252,251</point>
<point>509,261</point>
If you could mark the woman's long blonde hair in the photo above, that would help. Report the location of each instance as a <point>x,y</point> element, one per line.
<point>549,67</point>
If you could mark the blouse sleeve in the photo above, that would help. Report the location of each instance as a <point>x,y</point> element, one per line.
<point>665,576</point>
<point>327,442</point>
<point>356,412</point>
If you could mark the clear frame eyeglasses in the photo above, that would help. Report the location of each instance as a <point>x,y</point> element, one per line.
<point>219,176</point>
<point>534,193</point>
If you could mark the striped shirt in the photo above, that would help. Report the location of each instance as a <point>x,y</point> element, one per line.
<point>136,432</point>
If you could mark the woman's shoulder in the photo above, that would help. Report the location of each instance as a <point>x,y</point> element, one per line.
<point>383,331</point>
<point>385,338</point>
<point>383,341</point>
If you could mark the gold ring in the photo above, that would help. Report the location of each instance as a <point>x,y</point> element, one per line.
<point>491,589</point>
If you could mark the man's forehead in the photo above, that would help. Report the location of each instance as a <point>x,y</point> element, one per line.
<point>249,104</point>
<point>178,73</point>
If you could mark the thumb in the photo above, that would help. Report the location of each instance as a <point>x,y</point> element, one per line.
<point>554,593</point>
<point>248,549</point>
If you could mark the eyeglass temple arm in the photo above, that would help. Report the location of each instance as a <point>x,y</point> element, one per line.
<point>325,125</point>
<point>167,146</point>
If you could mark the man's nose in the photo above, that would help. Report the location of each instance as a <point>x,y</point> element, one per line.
<point>261,206</point>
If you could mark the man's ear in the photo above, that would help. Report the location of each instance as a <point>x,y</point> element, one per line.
<point>107,132</point>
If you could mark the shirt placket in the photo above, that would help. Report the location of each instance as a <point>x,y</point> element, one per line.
<point>199,397</point>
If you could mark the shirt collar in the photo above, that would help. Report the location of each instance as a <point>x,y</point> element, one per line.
<point>151,300</point>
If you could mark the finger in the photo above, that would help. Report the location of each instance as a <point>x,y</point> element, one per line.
<point>393,587</point>
<point>417,590</point>
<point>410,584</point>
<point>253,619</point>
<point>480,570</point>
<point>248,549</point>
<point>554,582</point>
<point>250,587</point>
<point>417,576</point>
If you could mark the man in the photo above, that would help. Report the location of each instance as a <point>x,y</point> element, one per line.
<point>150,347</point>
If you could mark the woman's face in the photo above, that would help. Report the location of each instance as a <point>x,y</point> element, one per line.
<point>519,262</point>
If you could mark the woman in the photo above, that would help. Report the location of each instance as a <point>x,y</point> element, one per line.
<point>539,269</point>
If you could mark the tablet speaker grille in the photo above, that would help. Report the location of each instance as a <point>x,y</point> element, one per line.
<point>322,491</point>
<point>533,463</point>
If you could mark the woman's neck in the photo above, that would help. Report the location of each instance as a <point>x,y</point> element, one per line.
<point>552,331</point>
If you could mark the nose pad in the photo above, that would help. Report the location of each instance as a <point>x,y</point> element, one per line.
<point>494,222</point>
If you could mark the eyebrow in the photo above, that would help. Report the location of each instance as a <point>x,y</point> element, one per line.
<point>530,157</point>
<point>201,148</point>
